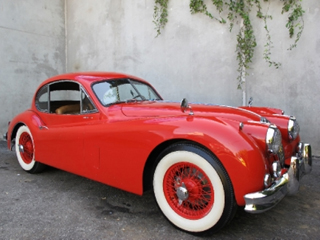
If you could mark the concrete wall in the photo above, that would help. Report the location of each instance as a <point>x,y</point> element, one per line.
<point>194,57</point>
<point>295,86</point>
<point>32,48</point>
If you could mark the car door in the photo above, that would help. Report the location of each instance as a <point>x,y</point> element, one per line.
<point>61,138</point>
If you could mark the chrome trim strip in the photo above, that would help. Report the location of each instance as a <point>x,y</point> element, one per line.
<point>288,183</point>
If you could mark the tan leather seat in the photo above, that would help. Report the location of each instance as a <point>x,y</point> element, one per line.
<point>68,109</point>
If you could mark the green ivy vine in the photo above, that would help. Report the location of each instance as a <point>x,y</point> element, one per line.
<point>240,11</point>
<point>160,16</point>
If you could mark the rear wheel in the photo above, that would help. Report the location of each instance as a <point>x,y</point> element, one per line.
<point>25,151</point>
<point>193,190</point>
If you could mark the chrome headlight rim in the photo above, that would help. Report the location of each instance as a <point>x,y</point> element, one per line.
<point>293,128</point>
<point>273,139</point>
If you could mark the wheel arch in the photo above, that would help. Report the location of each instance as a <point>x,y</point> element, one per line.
<point>153,159</point>
<point>13,134</point>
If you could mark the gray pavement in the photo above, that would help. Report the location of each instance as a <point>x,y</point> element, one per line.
<point>59,205</point>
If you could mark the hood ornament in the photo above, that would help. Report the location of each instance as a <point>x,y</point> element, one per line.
<point>184,105</point>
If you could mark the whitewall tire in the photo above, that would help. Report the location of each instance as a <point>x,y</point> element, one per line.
<point>25,151</point>
<point>192,189</point>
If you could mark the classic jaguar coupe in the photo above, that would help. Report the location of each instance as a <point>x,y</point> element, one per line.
<point>202,161</point>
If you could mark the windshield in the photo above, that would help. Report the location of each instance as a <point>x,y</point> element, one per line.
<point>123,90</point>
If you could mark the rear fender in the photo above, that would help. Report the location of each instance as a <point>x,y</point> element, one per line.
<point>28,118</point>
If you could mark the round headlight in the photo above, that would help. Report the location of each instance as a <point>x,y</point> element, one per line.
<point>293,128</point>
<point>273,139</point>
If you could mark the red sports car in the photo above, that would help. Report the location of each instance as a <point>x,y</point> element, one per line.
<point>202,161</point>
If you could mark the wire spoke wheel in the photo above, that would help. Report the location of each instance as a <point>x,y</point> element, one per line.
<point>188,190</point>
<point>25,151</point>
<point>26,147</point>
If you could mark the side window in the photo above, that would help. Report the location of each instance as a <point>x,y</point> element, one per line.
<point>42,99</point>
<point>64,97</point>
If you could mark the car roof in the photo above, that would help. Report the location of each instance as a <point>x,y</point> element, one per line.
<point>90,77</point>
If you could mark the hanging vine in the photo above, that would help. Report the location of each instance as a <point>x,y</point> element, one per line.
<point>160,16</point>
<point>240,10</point>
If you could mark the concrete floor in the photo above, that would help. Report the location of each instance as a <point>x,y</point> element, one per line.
<point>59,205</point>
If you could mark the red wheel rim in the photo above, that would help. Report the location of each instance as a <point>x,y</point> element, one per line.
<point>188,190</point>
<point>26,142</point>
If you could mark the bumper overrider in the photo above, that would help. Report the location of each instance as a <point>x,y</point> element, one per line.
<point>288,183</point>
<point>5,136</point>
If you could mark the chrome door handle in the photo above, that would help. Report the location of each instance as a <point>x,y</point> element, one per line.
<point>43,127</point>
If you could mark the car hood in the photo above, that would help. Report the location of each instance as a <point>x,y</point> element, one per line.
<point>166,109</point>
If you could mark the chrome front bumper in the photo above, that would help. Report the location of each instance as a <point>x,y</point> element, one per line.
<point>288,183</point>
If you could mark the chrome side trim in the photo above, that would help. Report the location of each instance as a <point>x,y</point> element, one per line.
<point>43,127</point>
<point>288,183</point>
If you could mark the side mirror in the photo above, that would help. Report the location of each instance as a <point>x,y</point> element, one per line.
<point>184,105</point>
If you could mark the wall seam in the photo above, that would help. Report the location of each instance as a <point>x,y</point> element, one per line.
<point>66,35</point>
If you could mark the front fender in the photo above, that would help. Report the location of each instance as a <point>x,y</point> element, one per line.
<point>239,153</point>
<point>263,110</point>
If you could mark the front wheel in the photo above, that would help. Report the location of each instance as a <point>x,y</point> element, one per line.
<point>193,190</point>
<point>25,150</point>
